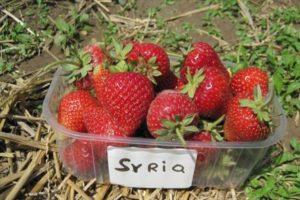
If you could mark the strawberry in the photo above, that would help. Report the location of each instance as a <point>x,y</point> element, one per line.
<point>98,121</point>
<point>203,136</point>
<point>71,108</point>
<point>179,84</point>
<point>127,97</point>
<point>81,67</point>
<point>208,134</point>
<point>172,115</point>
<point>97,58</point>
<point>245,80</point>
<point>79,157</point>
<point>151,60</point>
<point>203,153</point>
<point>97,54</point>
<point>210,90</point>
<point>98,80</point>
<point>202,55</point>
<point>247,118</point>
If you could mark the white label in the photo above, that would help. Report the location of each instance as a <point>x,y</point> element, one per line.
<point>151,167</point>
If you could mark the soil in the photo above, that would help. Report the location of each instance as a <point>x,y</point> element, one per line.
<point>293,131</point>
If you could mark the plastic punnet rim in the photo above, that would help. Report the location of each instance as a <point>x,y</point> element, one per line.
<point>52,121</point>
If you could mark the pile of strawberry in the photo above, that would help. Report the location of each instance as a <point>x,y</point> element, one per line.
<point>120,87</point>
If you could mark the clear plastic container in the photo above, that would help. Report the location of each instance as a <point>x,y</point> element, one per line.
<point>226,164</point>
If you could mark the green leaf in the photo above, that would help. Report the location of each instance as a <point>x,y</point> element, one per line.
<point>169,2</point>
<point>295,145</point>
<point>167,123</point>
<point>193,129</point>
<point>2,65</point>
<point>285,157</point>
<point>152,60</point>
<point>217,136</point>
<point>156,73</point>
<point>263,116</point>
<point>117,46</point>
<point>247,103</point>
<point>62,25</point>
<point>188,119</point>
<point>126,50</point>
<point>86,58</point>
<point>193,82</point>
<point>162,132</point>
<point>287,58</point>
<point>270,184</point>
<point>83,17</point>
<point>24,38</point>
<point>84,73</point>
<point>278,81</point>
<point>293,87</point>
<point>60,39</point>
<point>70,67</point>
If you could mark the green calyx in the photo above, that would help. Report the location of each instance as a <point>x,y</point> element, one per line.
<point>212,128</point>
<point>119,53</point>
<point>148,68</point>
<point>79,66</point>
<point>258,105</point>
<point>193,82</point>
<point>177,129</point>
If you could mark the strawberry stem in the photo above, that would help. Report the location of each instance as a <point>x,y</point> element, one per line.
<point>79,66</point>
<point>148,68</point>
<point>193,82</point>
<point>211,126</point>
<point>258,105</point>
<point>180,137</point>
<point>177,129</point>
<point>119,52</point>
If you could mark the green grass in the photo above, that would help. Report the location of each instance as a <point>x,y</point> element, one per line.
<point>277,50</point>
<point>279,179</point>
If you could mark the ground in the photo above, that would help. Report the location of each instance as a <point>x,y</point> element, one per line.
<point>257,32</point>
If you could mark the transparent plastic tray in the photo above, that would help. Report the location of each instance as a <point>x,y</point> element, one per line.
<point>226,164</point>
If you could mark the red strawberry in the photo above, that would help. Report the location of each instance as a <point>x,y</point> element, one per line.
<point>172,115</point>
<point>245,80</point>
<point>79,157</point>
<point>71,109</point>
<point>179,84</point>
<point>97,58</point>
<point>80,72</point>
<point>203,55</point>
<point>210,91</point>
<point>202,136</point>
<point>151,59</point>
<point>98,121</point>
<point>98,80</point>
<point>127,97</point>
<point>97,54</point>
<point>209,130</point>
<point>246,119</point>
